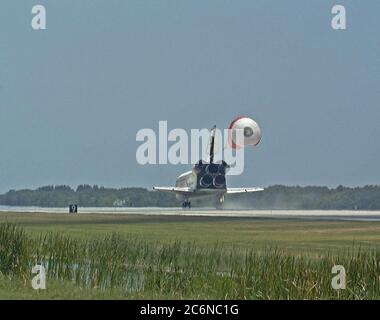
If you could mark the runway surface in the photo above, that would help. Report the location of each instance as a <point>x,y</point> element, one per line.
<point>271,214</point>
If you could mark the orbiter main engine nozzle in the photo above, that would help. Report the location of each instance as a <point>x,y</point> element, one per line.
<point>219,181</point>
<point>206,180</point>
<point>212,168</point>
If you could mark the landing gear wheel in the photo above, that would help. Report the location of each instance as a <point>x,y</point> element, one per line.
<point>219,203</point>
<point>186,204</point>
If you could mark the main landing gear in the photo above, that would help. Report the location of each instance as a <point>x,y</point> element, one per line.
<point>186,204</point>
<point>219,203</point>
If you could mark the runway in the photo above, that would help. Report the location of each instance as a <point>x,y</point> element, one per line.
<point>345,215</point>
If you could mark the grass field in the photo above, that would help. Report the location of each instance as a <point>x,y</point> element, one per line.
<point>94,256</point>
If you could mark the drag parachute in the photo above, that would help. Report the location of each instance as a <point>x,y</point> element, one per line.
<point>250,129</point>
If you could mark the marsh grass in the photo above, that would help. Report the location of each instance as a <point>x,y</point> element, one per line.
<point>185,270</point>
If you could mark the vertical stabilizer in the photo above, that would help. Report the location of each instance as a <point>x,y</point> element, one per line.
<point>212,144</point>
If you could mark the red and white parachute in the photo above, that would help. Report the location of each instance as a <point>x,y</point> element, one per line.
<point>250,129</point>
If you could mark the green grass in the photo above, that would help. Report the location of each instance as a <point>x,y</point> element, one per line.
<point>294,235</point>
<point>168,257</point>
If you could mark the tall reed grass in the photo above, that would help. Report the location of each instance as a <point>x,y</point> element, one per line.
<point>185,270</point>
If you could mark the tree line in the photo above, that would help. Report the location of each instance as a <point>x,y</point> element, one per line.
<point>86,196</point>
<point>273,197</point>
<point>310,198</point>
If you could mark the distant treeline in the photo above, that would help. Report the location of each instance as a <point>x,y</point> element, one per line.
<point>86,196</point>
<point>310,198</point>
<point>274,197</point>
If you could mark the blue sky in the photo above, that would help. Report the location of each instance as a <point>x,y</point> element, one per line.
<point>72,97</point>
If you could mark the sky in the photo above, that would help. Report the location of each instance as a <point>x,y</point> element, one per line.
<point>73,96</point>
